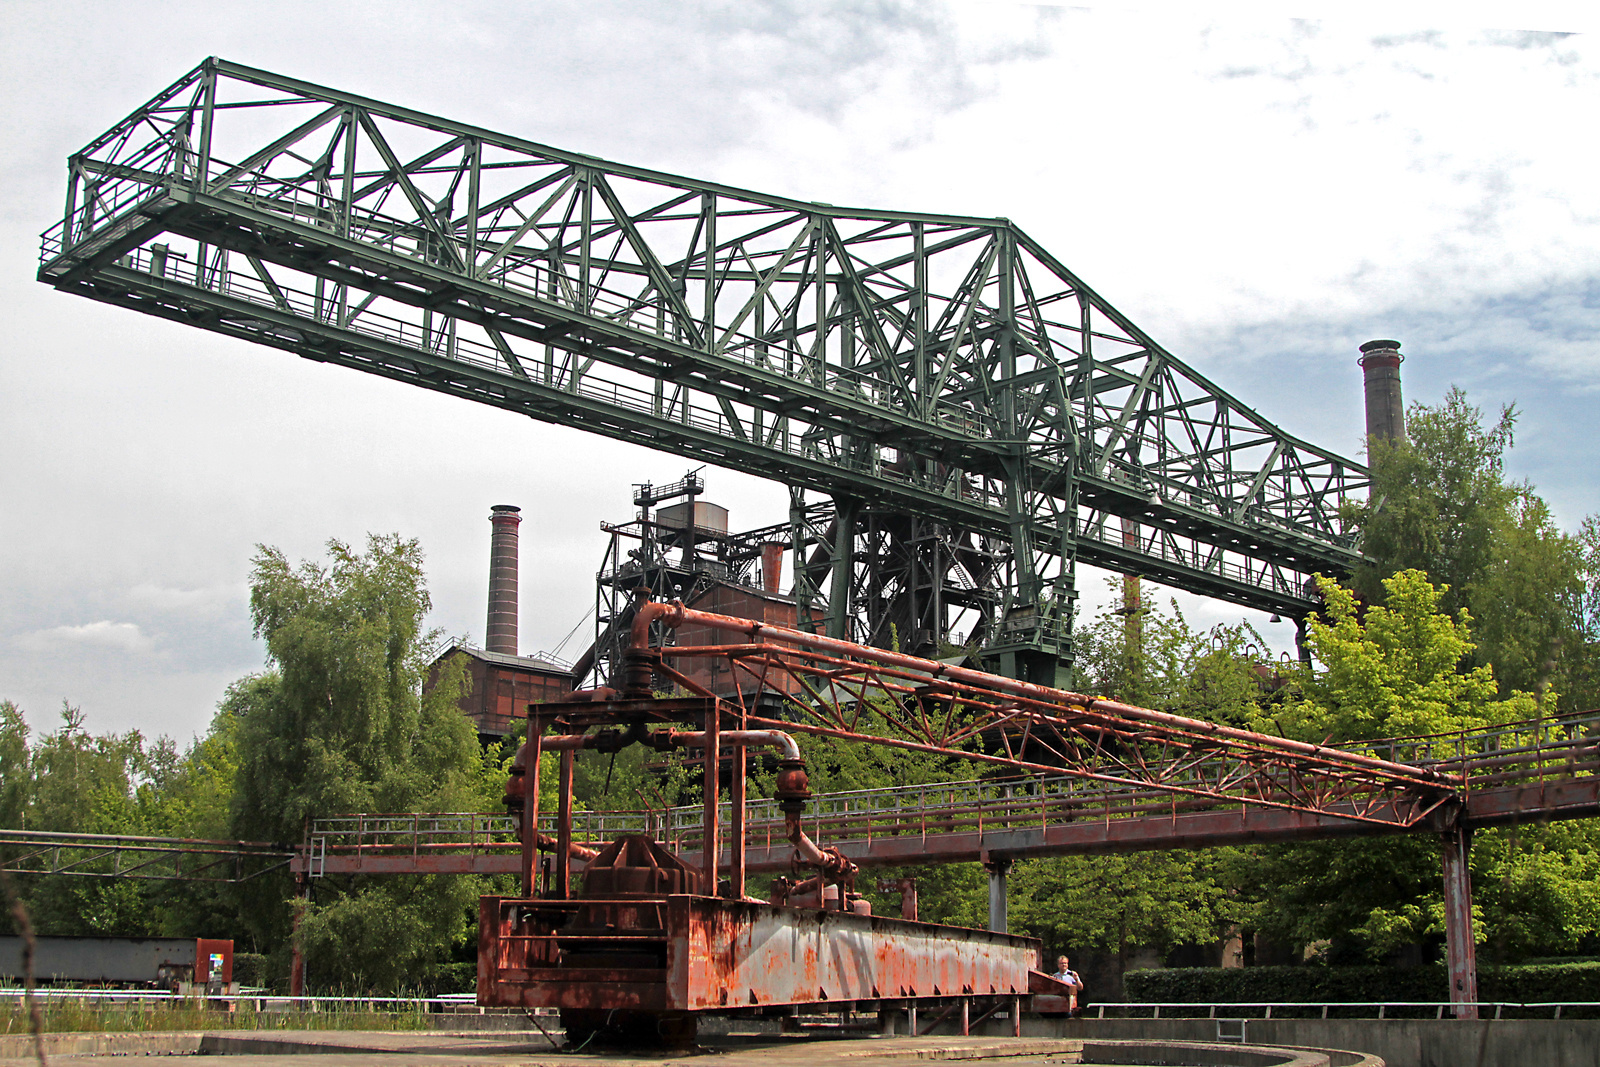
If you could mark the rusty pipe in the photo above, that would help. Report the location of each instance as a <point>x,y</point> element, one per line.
<point>810,854</point>
<point>793,787</point>
<point>648,612</point>
<point>769,738</point>
<point>558,742</point>
<point>673,738</point>
<point>552,743</point>
<point>793,790</point>
<point>582,852</point>
<point>640,668</point>
<point>676,614</point>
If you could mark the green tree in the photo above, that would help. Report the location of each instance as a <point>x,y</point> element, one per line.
<point>1438,498</point>
<point>83,783</point>
<point>1154,659</point>
<point>16,778</point>
<point>1405,668</point>
<point>1527,602</point>
<point>1537,889</point>
<point>190,794</point>
<point>1391,671</point>
<point>339,723</point>
<point>1115,903</point>
<point>1580,664</point>
<point>1367,898</point>
<point>1440,504</point>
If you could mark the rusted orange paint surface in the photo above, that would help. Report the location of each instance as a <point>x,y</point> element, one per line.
<point>721,955</point>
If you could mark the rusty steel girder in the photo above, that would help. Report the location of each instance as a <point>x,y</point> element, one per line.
<point>715,955</point>
<point>661,940</point>
<point>833,688</point>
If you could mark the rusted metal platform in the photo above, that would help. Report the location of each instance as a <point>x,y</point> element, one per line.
<point>712,954</point>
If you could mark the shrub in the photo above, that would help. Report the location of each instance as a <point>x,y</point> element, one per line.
<point>1564,982</point>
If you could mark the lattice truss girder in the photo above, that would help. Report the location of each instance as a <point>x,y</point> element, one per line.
<point>946,366</point>
<point>141,858</point>
<point>1097,742</point>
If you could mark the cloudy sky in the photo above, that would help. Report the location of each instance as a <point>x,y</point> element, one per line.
<point>1261,193</point>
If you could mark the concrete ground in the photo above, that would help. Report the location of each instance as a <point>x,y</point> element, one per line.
<point>350,1048</point>
<point>521,1049</point>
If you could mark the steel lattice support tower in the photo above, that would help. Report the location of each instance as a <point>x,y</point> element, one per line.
<point>942,377</point>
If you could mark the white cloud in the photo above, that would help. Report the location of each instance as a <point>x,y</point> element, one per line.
<point>105,634</point>
<point>207,599</point>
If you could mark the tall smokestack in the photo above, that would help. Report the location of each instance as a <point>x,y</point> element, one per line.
<point>1386,412</point>
<point>772,566</point>
<point>502,630</point>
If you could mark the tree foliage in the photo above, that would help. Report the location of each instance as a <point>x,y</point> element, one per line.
<point>16,779</point>
<point>1114,903</point>
<point>1391,671</point>
<point>1441,505</point>
<point>1151,657</point>
<point>339,722</point>
<point>1438,498</point>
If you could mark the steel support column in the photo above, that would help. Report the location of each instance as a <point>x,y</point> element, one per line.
<point>846,511</point>
<point>297,958</point>
<point>530,808</point>
<point>712,847</point>
<point>563,855</point>
<point>1460,949</point>
<point>736,831</point>
<point>998,869</point>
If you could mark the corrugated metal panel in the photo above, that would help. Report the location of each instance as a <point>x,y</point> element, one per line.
<point>100,959</point>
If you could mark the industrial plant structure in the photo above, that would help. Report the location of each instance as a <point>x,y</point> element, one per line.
<point>959,420</point>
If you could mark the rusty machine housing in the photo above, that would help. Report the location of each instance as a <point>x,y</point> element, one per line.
<point>641,943</point>
<point>648,941</point>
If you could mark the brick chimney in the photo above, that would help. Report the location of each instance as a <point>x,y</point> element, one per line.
<point>1386,412</point>
<point>772,566</point>
<point>501,635</point>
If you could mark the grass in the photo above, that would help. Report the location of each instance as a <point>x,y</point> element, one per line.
<point>72,1015</point>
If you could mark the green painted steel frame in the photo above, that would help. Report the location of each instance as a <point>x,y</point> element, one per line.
<point>935,366</point>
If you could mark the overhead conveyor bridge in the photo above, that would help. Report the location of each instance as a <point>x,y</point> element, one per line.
<point>944,368</point>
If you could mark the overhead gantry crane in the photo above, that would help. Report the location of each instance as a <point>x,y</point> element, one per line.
<point>974,417</point>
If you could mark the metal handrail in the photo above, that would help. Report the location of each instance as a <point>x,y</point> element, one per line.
<point>936,807</point>
<point>1442,1008</point>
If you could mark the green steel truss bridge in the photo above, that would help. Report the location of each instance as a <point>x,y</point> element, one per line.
<point>968,418</point>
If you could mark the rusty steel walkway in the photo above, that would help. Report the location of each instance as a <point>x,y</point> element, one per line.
<point>1534,771</point>
<point>1547,769</point>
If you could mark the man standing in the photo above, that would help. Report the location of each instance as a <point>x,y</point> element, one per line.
<point>1065,975</point>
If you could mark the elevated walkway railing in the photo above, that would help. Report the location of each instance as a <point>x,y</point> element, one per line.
<point>1343,1009</point>
<point>1559,747</point>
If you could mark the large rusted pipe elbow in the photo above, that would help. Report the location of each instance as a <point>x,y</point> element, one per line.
<point>793,790</point>
<point>515,790</point>
<point>646,613</point>
<point>830,861</point>
<point>641,659</point>
<point>785,744</point>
